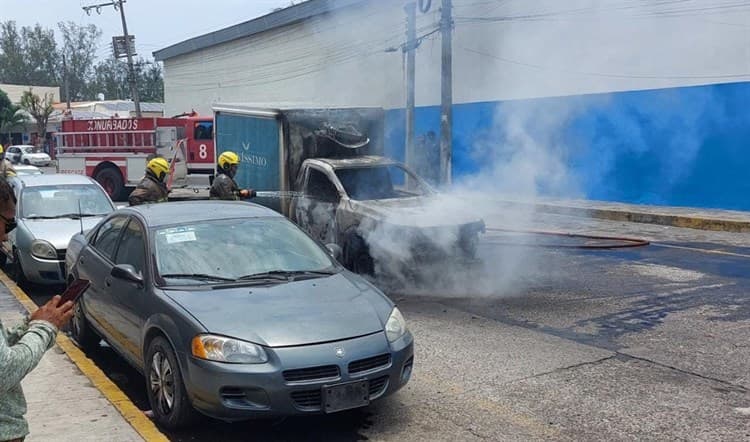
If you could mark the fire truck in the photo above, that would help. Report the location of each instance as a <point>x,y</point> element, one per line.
<point>114,151</point>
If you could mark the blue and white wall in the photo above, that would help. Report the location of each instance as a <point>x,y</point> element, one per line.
<point>621,100</point>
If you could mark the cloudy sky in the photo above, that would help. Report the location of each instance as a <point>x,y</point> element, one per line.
<point>155,23</point>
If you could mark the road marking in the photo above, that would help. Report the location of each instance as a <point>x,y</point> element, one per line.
<point>695,249</point>
<point>132,414</point>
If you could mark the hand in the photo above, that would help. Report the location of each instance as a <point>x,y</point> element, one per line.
<point>246,193</point>
<point>51,312</point>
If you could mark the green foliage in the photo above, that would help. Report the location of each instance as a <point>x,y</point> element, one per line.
<point>31,56</point>
<point>40,108</point>
<point>10,116</point>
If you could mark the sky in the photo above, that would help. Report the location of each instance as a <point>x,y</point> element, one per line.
<point>156,24</point>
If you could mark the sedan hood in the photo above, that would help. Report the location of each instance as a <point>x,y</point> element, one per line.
<point>305,312</point>
<point>38,156</point>
<point>423,212</point>
<point>57,231</point>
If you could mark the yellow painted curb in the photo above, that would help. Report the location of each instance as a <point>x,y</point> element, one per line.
<point>134,416</point>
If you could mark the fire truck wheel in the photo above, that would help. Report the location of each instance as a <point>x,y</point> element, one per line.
<point>111,180</point>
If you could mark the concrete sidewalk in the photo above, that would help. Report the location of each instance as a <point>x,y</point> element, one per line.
<point>693,218</point>
<point>69,398</point>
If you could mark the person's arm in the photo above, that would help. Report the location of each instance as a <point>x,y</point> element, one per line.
<point>137,196</point>
<point>18,360</point>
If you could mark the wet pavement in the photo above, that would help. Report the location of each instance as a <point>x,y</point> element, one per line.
<point>546,343</point>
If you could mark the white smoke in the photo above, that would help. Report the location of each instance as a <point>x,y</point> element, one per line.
<point>524,157</point>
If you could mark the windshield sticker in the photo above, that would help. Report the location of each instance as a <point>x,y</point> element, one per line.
<point>180,237</point>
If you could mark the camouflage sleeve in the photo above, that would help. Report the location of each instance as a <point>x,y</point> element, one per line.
<point>16,361</point>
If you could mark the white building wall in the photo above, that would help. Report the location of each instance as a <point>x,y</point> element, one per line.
<point>502,50</point>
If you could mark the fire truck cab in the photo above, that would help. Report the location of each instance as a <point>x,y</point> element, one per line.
<point>114,151</point>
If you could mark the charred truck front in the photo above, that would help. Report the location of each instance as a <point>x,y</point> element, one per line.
<point>325,170</point>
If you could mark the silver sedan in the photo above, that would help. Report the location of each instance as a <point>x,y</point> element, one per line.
<point>51,208</point>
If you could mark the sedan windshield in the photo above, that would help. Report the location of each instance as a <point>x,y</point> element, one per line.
<point>64,201</point>
<point>380,182</point>
<point>236,250</point>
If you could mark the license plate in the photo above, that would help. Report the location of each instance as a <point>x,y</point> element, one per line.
<point>346,396</point>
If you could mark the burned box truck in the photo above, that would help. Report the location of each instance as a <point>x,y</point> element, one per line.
<point>325,170</point>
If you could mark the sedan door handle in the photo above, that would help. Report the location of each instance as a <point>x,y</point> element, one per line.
<point>107,282</point>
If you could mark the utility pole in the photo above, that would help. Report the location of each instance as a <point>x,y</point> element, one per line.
<point>410,48</point>
<point>446,94</point>
<point>66,81</point>
<point>119,4</point>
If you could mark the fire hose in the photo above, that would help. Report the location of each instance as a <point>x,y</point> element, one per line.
<point>615,242</point>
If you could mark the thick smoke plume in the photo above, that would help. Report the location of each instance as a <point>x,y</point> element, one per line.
<point>523,158</point>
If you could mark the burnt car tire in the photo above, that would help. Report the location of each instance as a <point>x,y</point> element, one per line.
<point>165,388</point>
<point>357,257</point>
<point>82,332</point>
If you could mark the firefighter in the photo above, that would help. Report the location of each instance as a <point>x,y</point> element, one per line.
<point>6,168</point>
<point>224,187</point>
<point>152,189</point>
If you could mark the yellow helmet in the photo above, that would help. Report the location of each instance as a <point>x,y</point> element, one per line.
<point>228,159</point>
<point>159,167</point>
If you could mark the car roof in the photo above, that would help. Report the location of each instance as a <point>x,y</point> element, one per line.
<point>183,212</point>
<point>52,179</point>
<point>20,145</point>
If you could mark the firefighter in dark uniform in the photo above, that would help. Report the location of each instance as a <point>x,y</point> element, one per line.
<point>152,189</point>
<point>224,187</point>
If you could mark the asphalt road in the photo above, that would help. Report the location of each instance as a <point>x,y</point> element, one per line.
<point>555,343</point>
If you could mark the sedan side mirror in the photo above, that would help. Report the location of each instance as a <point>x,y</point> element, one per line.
<point>127,273</point>
<point>335,251</point>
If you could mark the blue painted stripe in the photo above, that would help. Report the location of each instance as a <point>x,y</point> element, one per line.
<point>687,146</point>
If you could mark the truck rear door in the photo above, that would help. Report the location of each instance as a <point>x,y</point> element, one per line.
<point>257,141</point>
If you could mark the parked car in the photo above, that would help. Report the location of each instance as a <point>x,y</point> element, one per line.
<point>51,208</point>
<point>13,153</point>
<point>230,309</point>
<point>26,154</point>
<point>22,169</point>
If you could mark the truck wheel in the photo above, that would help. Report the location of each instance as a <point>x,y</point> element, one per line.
<point>357,257</point>
<point>111,180</point>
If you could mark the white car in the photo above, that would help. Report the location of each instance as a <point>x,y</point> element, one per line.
<point>27,154</point>
<point>13,153</point>
<point>26,170</point>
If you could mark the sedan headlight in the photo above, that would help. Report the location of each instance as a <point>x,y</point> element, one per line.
<point>223,349</point>
<point>396,325</point>
<point>43,249</point>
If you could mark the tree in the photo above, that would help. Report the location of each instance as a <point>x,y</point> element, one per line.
<point>10,116</point>
<point>12,55</point>
<point>150,81</point>
<point>79,46</point>
<point>29,56</point>
<point>42,56</point>
<point>40,108</point>
<point>111,79</point>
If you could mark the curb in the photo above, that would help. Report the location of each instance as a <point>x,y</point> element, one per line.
<point>132,414</point>
<point>685,221</point>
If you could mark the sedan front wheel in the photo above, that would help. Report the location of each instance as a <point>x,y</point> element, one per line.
<point>166,391</point>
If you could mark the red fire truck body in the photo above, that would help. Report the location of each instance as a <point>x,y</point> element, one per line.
<point>114,151</point>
